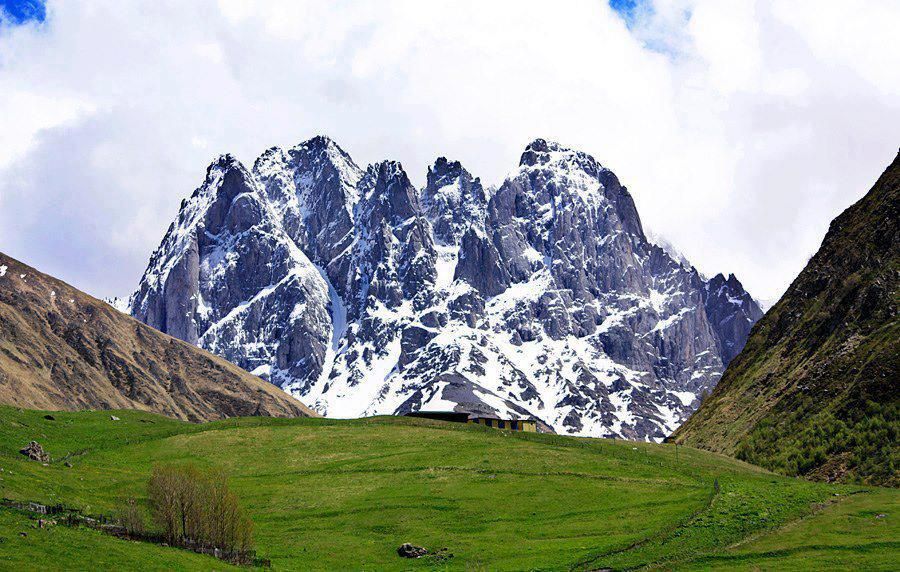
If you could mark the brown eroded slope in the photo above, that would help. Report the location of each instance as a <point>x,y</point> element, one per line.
<point>63,349</point>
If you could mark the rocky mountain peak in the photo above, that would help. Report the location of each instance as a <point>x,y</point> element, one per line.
<point>538,151</point>
<point>444,172</point>
<point>223,162</point>
<point>363,295</point>
<point>453,200</point>
<point>313,189</point>
<point>387,184</point>
<point>316,158</point>
<point>209,207</point>
<point>236,204</point>
<point>320,141</point>
<point>730,282</point>
<point>225,176</point>
<point>550,154</point>
<point>323,150</point>
<point>732,312</point>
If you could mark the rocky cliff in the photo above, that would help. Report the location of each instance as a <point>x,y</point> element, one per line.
<point>363,295</point>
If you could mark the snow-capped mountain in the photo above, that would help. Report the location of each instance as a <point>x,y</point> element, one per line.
<point>362,295</point>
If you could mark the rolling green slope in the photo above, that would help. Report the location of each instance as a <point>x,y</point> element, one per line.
<point>816,390</point>
<point>850,532</point>
<point>326,494</point>
<point>62,548</point>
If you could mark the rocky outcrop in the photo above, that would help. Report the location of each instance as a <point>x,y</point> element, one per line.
<point>228,278</point>
<point>35,452</point>
<point>453,201</point>
<point>543,298</point>
<point>732,312</point>
<point>312,188</point>
<point>408,550</point>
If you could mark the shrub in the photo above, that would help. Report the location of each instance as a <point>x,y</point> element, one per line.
<point>131,518</point>
<point>191,506</point>
<point>163,494</point>
<point>798,442</point>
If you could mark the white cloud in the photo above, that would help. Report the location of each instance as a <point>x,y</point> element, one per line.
<point>742,128</point>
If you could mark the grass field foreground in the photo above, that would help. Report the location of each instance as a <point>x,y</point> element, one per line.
<point>327,494</point>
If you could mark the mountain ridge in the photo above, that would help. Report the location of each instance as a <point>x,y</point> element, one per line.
<point>61,349</point>
<point>815,390</point>
<point>541,298</point>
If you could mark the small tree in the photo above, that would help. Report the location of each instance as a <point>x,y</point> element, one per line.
<point>227,526</point>
<point>131,518</point>
<point>162,491</point>
<point>193,506</point>
<point>189,487</point>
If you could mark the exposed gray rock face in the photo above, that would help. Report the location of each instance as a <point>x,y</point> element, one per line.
<point>630,321</point>
<point>479,264</point>
<point>360,295</point>
<point>394,255</point>
<point>312,188</point>
<point>732,312</point>
<point>228,278</point>
<point>453,201</point>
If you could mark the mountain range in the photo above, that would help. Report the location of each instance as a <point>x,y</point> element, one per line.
<point>360,294</point>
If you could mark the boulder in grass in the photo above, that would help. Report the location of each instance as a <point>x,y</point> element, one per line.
<point>35,452</point>
<point>408,550</point>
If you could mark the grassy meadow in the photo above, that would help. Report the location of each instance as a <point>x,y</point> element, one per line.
<point>329,494</point>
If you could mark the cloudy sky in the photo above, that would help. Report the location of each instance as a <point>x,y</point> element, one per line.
<point>741,127</point>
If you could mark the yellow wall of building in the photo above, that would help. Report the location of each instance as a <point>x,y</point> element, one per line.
<point>527,426</point>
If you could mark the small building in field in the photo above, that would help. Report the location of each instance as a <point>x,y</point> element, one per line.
<point>453,416</point>
<point>528,425</point>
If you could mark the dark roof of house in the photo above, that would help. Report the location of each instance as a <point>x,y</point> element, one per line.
<point>461,414</point>
<point>495,418</point>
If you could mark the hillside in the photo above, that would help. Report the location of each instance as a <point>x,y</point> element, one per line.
<point>816,390</point>
<point>343,495</point>
<point>63,349</point>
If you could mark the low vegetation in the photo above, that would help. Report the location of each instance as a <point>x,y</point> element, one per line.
<point>866,438</point>
<point>131,518</point>
<point>191,506</point>
<point>328,494</point>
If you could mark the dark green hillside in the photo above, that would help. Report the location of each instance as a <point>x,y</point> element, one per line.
<point>343,495</point>
<point>816,390</point>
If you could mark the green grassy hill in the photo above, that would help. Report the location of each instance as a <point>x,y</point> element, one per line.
<point>816,390</point>
<point>326,494</point>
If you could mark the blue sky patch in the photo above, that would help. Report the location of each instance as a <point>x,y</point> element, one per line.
<point>625,9</point>
<point>22,11</point>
